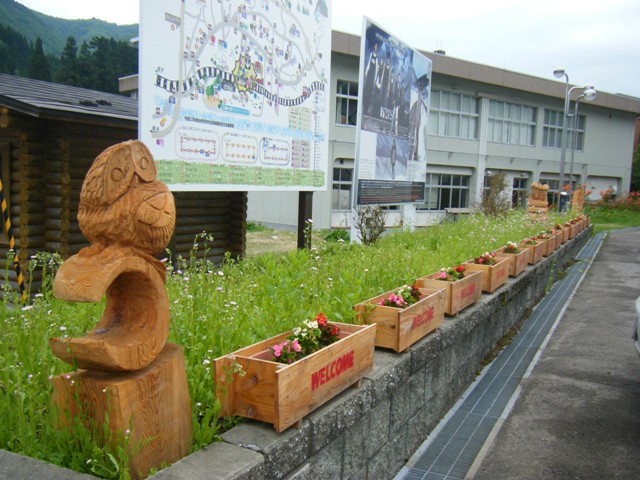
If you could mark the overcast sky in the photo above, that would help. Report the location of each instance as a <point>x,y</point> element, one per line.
<point>594,41</point>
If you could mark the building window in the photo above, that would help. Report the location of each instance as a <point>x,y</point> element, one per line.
<point>453,115</point>
<point>576,133</point>
<point>554,189</point>
<point>342,186</point>
<point>552,130</point>
<point>511,123</point>
<point>444,190</point>
<point>346,103</point>
<point>519,193</point>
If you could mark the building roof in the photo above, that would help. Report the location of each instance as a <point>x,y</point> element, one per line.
<point>349,44</point>
<point>55,101</point>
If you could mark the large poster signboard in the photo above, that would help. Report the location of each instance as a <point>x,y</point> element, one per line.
<point>391,145</point>
<point>233,94</point>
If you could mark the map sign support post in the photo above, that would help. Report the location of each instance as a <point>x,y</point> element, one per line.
<point>391,131</point>
<point>305,208</point>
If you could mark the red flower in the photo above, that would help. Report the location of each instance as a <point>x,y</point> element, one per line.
<point>321,318</point>
<point>459,269</point>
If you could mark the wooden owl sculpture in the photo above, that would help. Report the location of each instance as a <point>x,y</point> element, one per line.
<point>128,216</point>
<point>121,202</point>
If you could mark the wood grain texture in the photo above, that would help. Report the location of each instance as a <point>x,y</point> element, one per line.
<point>128,216</point>
<point>152,404</point>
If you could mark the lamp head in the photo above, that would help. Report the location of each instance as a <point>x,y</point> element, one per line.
<point>559,73</point>
<point>590,93</point>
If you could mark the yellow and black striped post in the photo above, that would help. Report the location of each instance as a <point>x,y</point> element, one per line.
<point>6,222</point>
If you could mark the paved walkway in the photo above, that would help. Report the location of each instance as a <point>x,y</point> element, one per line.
<point>576,413</point>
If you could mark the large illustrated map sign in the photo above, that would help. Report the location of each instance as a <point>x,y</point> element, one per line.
<point>234,94</point>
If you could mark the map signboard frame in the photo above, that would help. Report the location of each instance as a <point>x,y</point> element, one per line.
<point>234,94</point>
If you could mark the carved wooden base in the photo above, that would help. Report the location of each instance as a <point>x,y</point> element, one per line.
<point>153,403</point>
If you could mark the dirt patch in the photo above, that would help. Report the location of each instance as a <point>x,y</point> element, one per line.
<point>275,241</point>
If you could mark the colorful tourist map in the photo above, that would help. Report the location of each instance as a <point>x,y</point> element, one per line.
<point>234,94</point>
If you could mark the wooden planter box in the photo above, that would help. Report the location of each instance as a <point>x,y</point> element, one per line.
<point>493,276</point>
<point>558,238</point>
<point>283,394</point>
<point>549,245</point>
<point>535,252</point>
<point>459,294</point>
<point>569,231</point>
<point>577,226</point>
<point>517,261</point>
<point>399,328</point>
<point>566,232</point>
<point>575,230</point>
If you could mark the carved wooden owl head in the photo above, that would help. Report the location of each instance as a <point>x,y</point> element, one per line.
<point>121,202</point>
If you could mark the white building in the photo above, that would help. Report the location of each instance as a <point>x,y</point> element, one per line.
<point>482,120</point>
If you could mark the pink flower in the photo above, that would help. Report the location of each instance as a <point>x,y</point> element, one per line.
<point>277,350</point>
<point>296,346</point>
<point>443,275</point>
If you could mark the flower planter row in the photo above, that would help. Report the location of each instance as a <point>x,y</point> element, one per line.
<point>251,384</point>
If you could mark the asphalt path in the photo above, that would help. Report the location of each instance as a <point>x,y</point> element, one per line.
<point>577,416</point>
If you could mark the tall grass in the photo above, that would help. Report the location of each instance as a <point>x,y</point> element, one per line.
<point>214,311</point>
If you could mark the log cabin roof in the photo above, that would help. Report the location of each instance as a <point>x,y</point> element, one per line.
<point>63,102</point>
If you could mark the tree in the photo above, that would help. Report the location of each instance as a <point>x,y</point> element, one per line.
<point>15,51</point>
<point>69,72</point>
<point>496,200</point>
<point>635,171</point>
<point>39,65</point>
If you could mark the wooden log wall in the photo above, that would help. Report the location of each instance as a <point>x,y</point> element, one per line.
<point>26,189</point>
<point>221,214</point>
<point>49,161</point>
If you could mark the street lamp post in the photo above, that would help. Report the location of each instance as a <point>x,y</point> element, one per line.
<point>559,73</point>
<point>588,95</point>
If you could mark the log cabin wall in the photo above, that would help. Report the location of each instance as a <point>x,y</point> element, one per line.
<point>47,164</point>
<point>221,214</point>
<point>48,161</point>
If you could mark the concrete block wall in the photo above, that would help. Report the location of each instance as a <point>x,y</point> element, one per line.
<point>370,432</point>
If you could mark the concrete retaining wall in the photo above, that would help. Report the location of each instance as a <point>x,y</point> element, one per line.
<point>372,431</point>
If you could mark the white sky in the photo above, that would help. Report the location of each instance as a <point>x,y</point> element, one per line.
<point>594,41</point>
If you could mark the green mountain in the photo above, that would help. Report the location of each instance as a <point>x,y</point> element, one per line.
<point>54,31</point>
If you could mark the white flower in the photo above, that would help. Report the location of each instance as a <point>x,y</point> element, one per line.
<point>275,237</point>
<point>220,273</point>
<point>206,361</point>
<point>27,307</point>
<point>366,270</point>
<point>62,328</point>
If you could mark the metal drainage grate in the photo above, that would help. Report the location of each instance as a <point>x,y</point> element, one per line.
<point>449,452</point>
